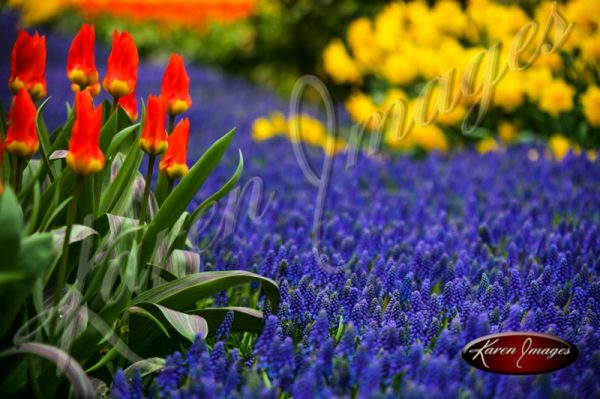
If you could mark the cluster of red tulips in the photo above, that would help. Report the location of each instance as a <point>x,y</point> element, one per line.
<point>28,84</point>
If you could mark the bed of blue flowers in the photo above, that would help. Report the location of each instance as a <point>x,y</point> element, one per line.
<point>428,254</point>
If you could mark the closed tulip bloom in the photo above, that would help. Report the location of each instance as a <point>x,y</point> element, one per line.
<point>121,73</point>
<point>173,164</point>
<point>21,137</point>
<point>176,86</point>
<point>154,135</point>
<point>85,156</point>
<point>129,105</point>
<point>81,62</point>
<point>28,65</point>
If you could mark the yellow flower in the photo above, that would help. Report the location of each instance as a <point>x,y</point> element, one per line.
<point>509,92</point>
<point>360,106</point>
<point>590,100</point>
<point>339,65</point>
<point>450,17</point>
<point>362,41</point>
<point>332,147</point>
<point>430,138</point>
<point>557,97</point>
<point>507,132</point>
<point>279,123</point>
<point>486,145</point>
<point>262,129</point>
<point>590,48</point>
<point>592,155</point>
<point>537,79</point>
<point>389,26</point>
<point>399,69</point>
<point>559,145</point>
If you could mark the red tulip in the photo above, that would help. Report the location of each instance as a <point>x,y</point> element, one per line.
<point>121,74</point>
<point>173,164</point>
<point>81,62</point>
<point>21,137</point>
<point>85,156</point>
<point>129,105</point>
<point>176,86</point>
<point>154,136</point>
<point>28,65</point>
<point>1,159</point>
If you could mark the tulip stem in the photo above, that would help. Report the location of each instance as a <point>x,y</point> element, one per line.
<point>144,207</point>
<point>115,104</point>
<point>171,123</point>
<point>19,166</point>
<point>62,271</point>
<point>170,186</point>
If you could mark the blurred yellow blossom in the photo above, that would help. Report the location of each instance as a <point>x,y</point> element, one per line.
<point>37,11</point>
<point>262,129</point>
<point>339,65</point>
<point>559,145</point>
<point>507,132</point>
<point>510,91</point>
<point>557,97</point>
<point>537,79</point>
<point>361,38</point>
<point>486,145</point>
<point>590,101</point>
<point>360,106</point>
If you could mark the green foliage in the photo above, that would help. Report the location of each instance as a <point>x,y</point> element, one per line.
<point>132,291</point>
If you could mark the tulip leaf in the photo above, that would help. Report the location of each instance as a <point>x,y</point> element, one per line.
<point>119,138</point>
<point>11,222</point>
<point>188,325</point>
<point>183,293</point>
<point>145,366</point>
<point>177,202</point>
<point>117,192</point>
<point>222,192</point>
<point>82,386</point>
<point>44,138</point>
<point>35,255</point>
<point>244,319</point>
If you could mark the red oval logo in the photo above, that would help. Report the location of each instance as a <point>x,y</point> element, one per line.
<point>519,353</point>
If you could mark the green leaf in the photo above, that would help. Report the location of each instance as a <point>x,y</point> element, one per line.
<point>82,386</point>
<point>78,233</point>
<point>177,202</point>
<point>183,293</point>
<point>188,325</point>
<point>35,255</point>
<point>145,367</point>
<point>116,195</point>
<point>44,137</point>
<point>244,319</point>
<point>222,192</point>
<point>119,138</point>
<point>11,222</point>
<point>108,131</point>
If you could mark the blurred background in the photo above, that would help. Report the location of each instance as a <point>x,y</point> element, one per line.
<point>370,54</point>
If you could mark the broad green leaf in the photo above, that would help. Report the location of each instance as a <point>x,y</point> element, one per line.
<point>78,233</point>
<point>188,325</point>
<point>11,227</point>
<point>119,138</point>
<point>183,293</point>
<point>244,319</point>
<point>181,263</point>
<point>118,190</point>
<point>108,131</point>
<point>44,137</point>
<point>82,386</point>
<point>177,202</point>
<point>145,367</point>
<point>222,192</point>
<point>35,255</point>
